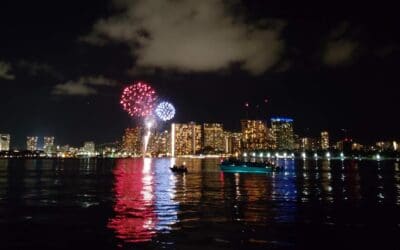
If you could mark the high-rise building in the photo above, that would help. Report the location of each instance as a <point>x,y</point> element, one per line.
<point>345,145</point>
<point>356,146</point>
<point>186,138</point>
<point>233,143</point>
<point>31,143</point>
<point>108,149</point>
<point>282,133</point>
<point>254,134</point>
<point>160,143</point>
<point>4,142</point>
<point>213,137</point>
<point>89,148</point>
<point>48,146</point>
<point>64,148</point>
<point>308,143</point>
<point>63,151</point>
<point>324,140</point>
<point>387,145</point>
<point>132,141</point>
<point>297,142</point>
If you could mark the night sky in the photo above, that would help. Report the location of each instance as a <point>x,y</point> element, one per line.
<point>330,66</point>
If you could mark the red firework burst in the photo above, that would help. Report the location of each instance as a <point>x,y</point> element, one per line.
<point>138,99</point>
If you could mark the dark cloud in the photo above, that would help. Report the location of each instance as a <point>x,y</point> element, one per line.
<point>283,66</point>
<point>339,52</point>
<point>36,68</point>
<point>190,36</point>
<point>5,71</point>
<point>386,51</point>
<point>84,86</point>
<point>339,49</point>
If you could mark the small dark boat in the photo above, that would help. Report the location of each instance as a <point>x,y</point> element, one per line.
<point>179,169</point>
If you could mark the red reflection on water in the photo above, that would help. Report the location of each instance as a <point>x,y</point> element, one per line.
<point>221,177</point>
<point>135,218</point>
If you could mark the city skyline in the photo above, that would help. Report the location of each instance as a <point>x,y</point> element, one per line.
<point>268,128</point>
<point>64,77</point>
<point>192,138</point>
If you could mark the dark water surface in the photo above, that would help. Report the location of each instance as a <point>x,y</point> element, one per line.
<point>140,204</point>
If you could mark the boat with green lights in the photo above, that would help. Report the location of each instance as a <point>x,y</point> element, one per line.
<point>236,166</point>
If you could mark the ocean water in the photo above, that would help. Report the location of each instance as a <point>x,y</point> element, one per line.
<point>141,204</point>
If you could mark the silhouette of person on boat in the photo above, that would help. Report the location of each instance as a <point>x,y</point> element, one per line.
<point>179,169</point>
<point>271,163</point>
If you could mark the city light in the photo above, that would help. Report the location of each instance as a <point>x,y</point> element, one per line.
<point>149,124</point>
<point>187,138</point>
<point>172,139</point>
<point>208,140</point>
<point>215,138</point>
<point>281,119</point>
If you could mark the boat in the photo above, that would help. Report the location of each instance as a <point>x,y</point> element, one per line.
<point>247,167</point>
<point>179,169</point>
